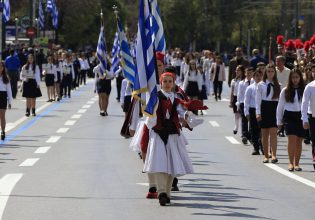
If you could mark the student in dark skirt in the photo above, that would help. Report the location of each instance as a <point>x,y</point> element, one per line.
<point>103,88</point>
<point>192,81</point>
<point>267,95</point>
<point>50,74</point>
<point>205,90</point>
<point>289,116</point>
<point>5,97</point>
<point>30,75</point>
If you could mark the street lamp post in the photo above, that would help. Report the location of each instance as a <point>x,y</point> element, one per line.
<point>16,31</point>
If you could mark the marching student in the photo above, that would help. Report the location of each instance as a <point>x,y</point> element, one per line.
<point>166,156</point>
<point>308,110</point>
<point>125,95</point>
<point>5,97</point>
<point>250,111</point>
<point>103,88</point>
<point>234,90</point>
<point>58,87</point>
<point>192,81</point>
<point>307,79</point>
<point>84,67</point>
<point>67,75</point>
<point>289,117</point>
<point>267,95</point>
<point>217,71</point>
<point>204,90</point>
<point>240,101</point>
<point>30,75</point>
<point>50,74</point>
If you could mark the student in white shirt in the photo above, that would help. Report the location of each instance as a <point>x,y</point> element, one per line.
<point>308,110</point>
<point>192,81</point>
<point>267,95</point>
<point>240,101</point>
<point>30,75</point>
<point>5,97</point>
<point>50,74</point>
<point>250,111</point>
<point>239,75</point>
<point>289,117</point>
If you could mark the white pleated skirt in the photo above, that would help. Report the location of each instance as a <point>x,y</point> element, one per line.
<point>136,139</point>
<point>172,159</point>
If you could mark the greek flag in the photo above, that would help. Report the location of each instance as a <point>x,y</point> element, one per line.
<point>115,54</point>
<point>126,59</point>
<point>157,27</point>
<point>41,15</point>
<point>101,52</point>
<point>52,8</point>
<point>145,77</point>
<point>6,10</point>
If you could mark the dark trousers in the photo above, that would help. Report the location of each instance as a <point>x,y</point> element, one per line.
<point>66,84</point>
<point>83,76</point>
<point>76,80</point>
<point>312,132</point>
<point>217,88</point>
<point>14,78</point>
<point>245,132</point>
<point>254,129</point>
<point>119,79</point>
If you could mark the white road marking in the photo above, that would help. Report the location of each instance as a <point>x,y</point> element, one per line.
<point>291,175</point>
<point>62,130</point>
<point>232,140</point>
<point>143,184</point>
<point>7,184</point>
<point>53,139</point>
<point>29,162</point>
<point>86,106</point>
<point>42,150</point>
<point>76,116</point>
<point>225,100</point>
<point>70,122</point>
<point>81,111</point>
<point>214,124</point>
<point>90,102</point>
<point>12,125</point>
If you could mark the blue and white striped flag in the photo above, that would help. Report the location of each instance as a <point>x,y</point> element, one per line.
<point>126,59</point>
<point>115,54</point>
<point>101,52</point>
<point>52,8</point>
<point>145,78</point>
<point>6,10</point>
<point>41,15</point>
<point>157,28</point>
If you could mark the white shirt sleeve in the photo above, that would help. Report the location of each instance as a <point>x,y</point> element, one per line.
<point>9,93</point>
<point>248,92</point>
<point>55,73</point>
<point>123,91</point>
<point>37,75</point>
<point>72,71</point>
<point>258,99</point>
<point>280,107</point>
<point>305,103</point>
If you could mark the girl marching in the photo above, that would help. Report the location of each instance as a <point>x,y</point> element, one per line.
<point>5,97</point>
<point>50,78</point>
<point>267,95</point>
<point>289,116</point>
<point>30,75</point>
<point>167,156</point>
<point>239,75</point>
<point>68,75</point>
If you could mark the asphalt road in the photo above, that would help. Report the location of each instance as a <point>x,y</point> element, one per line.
<point>68,163</point>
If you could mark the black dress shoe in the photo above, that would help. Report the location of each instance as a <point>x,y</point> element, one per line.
<point>162,199</point>
<point>174,188</point>
<point>168,200</point>
<point>234,132</point>
<point>2,135</point>
<point>244,140</point>
<point>291,169</point>
<point>274,160</point>
<point>307,141</point>
<point>255,152</point>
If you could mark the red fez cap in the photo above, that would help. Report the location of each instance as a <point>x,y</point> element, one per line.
<point>160,56</point>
